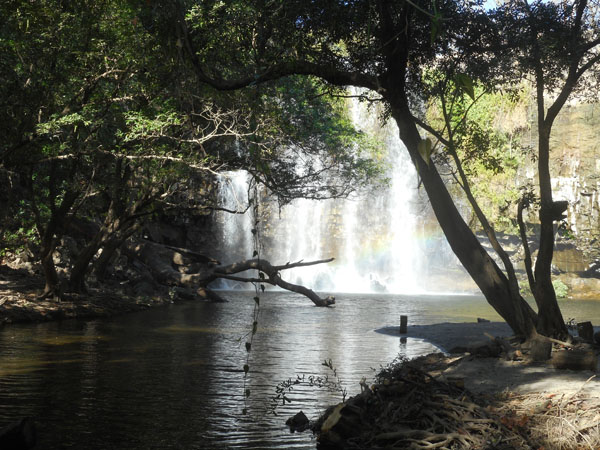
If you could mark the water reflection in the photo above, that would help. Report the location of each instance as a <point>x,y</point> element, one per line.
<point>172,378</point>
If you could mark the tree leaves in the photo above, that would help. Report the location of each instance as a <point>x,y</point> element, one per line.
<point>465,84</point>
<point>425,149</point>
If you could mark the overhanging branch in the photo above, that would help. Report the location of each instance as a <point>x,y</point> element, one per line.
<point>272,276</point>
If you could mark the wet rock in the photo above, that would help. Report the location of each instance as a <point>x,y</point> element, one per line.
<point>182,293</point>
<point>376,286</point>
<point>144,289</point>
<point>581,287</point>
<point>298,422</point>
<point>593,270</point>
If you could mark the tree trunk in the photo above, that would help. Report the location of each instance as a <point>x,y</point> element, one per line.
<point>51,286</point>
<point>51,233</point>
<point>485,272</point>
<point>79,269</point>
<point>109,248</point>
<point>551,322</point>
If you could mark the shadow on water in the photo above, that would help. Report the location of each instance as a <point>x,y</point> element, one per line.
<point>172,378</point>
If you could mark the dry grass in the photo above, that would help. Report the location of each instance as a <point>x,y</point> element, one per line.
<point>555,422</point>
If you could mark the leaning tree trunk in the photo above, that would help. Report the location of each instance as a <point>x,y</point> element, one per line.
<point>169,265</point>
<point>485,272</point>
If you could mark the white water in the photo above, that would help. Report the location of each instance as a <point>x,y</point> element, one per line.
<point>234,228</point>
<point>378,239</point>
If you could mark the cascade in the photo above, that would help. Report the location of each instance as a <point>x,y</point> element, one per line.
<point>381,240</point>
<point>234,221</point>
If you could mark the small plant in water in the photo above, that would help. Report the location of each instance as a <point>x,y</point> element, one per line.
<point>390,370</point>
<point>571,324</point>
<point>332,384</point>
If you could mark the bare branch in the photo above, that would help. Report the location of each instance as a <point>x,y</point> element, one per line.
<point>272,276</point>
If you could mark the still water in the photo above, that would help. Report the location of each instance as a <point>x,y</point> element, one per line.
<point>172,378</point>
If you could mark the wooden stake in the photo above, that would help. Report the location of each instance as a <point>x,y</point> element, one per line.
<point>403,324</point>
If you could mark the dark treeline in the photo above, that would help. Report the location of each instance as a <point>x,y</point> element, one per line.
<point>106,127</point>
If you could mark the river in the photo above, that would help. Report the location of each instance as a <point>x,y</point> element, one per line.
<point>172,377</point>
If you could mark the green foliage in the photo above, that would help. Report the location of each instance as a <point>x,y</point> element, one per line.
<point>18,240</point>
<point>486,132</point>
<point>561,290</point>
<point>306,145</point>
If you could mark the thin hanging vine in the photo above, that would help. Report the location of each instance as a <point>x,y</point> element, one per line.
<point>258,288</point>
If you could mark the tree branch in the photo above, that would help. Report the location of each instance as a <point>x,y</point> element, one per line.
<point>273,277</point>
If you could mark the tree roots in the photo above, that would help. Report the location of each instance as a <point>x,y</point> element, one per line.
<point>408,408</point>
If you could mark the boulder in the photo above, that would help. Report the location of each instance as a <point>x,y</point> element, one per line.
<point>298,422</point>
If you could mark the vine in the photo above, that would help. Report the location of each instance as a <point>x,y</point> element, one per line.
<point>258,288</point>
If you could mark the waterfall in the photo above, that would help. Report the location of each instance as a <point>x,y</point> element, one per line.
<point>234,220</point>
<point>374,237</point>
<point>381,240</point>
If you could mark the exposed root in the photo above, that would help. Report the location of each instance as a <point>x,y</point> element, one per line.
<point>408,408</point>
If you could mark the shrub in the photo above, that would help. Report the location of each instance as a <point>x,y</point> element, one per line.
<point>560,289</point>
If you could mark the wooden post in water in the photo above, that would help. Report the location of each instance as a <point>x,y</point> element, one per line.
<point>403,324</point>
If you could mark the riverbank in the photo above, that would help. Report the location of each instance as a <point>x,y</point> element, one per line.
<point>414,405</point>
<point>468,400</point>
<point>19,302</point>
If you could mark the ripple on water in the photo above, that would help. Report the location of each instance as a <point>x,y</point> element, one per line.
<point>172,378</point>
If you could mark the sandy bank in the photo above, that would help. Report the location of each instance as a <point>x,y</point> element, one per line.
<point>492,375</point>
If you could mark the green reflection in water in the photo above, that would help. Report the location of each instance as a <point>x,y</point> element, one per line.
<point>68,339</point>
<point>19,366</point>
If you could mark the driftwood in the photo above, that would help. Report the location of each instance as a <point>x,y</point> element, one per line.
<point>575,360</point>
<point>408,408</point>
<point>271,276</point>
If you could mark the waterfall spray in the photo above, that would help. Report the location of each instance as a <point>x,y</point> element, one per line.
<point>377,238</point>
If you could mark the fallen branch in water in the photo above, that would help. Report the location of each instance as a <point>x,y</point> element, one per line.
<point>271,276</point>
